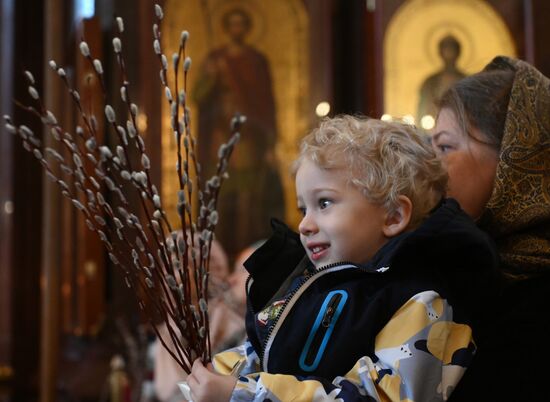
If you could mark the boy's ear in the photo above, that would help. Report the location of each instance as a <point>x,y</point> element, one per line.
<point>398,220</point>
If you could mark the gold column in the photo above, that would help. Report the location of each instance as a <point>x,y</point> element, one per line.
<point>54,12</point>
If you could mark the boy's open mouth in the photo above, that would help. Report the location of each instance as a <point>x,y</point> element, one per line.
<point>318,251</point>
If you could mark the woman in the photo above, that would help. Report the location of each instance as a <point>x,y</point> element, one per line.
<point>493,133</point>
<point>223,323</point>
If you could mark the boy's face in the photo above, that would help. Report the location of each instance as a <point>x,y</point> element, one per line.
<point>339,223</point>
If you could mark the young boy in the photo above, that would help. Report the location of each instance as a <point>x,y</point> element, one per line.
<point>373,300</point>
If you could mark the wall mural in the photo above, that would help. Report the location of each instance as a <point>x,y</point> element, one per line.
<point>243,61</point>
<point>429,44</point>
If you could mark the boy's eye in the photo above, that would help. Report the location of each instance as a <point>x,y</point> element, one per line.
<point>324,203</point>
<point>302,211</point>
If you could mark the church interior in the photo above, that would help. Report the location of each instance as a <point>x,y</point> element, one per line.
<point>70,328</point>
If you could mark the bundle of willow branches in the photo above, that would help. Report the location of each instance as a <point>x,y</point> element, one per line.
<point>166,268</point>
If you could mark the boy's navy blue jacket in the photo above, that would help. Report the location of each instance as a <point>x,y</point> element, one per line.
<point>396,328</point>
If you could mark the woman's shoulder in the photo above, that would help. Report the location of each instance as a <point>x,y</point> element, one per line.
<point>451,234</point>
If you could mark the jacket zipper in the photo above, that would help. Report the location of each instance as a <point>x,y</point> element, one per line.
<point>322,330</point>
<point>325,324</point>
<point>287,301</point>
<point>331,309</point>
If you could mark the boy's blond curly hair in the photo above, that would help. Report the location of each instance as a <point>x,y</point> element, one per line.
<point>384,160</point>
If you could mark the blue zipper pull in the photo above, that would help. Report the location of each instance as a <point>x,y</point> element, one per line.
<point>329,313</point>
<point>322,330</point>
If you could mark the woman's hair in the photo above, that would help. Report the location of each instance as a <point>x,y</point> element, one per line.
<point>384,160</point>
<point>481,101</point>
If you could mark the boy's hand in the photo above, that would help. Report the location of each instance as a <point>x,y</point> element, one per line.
<point>208,386</point>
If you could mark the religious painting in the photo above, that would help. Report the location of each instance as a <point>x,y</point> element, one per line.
<point>429,45</point>
<point>435,85</point>
<point>244,62</point>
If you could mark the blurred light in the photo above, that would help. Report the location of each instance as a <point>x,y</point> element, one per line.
<point>371,5</point>
<point>386,117</point>
<point>408,119</point>
<point>427,122</point>
<point>90,269</point>
<point>141,121</point>
<point>84,8</point>
<point>8,207</point>
<point>322,109</point>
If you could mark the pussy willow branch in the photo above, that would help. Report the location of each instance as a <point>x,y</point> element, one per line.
<point>167,269</point>
<point>181,251</point>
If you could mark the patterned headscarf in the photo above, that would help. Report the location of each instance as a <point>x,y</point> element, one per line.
<point>518,212</point>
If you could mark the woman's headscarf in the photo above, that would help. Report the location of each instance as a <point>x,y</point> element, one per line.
<point>518,212</point>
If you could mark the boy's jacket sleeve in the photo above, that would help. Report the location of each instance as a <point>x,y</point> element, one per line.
<point>420,355</point>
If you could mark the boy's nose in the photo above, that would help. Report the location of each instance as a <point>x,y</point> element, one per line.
<point>307,226</point>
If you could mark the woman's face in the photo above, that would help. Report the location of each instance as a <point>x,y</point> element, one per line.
<point>471,164</point>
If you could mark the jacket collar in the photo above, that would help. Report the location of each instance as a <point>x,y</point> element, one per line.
<point>447,235</point>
